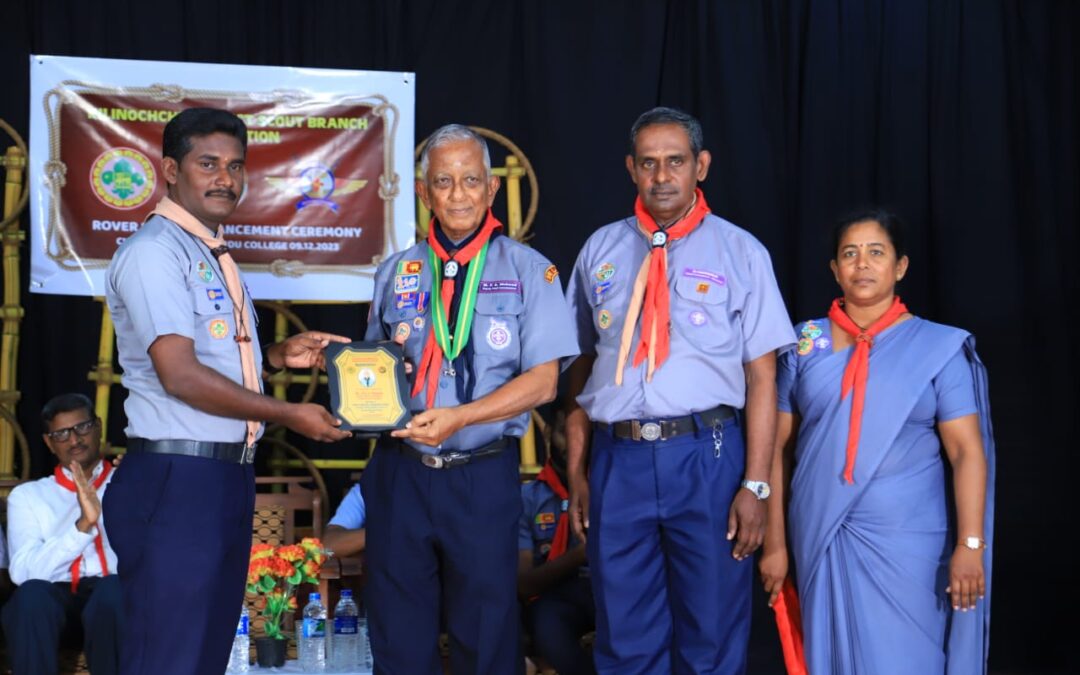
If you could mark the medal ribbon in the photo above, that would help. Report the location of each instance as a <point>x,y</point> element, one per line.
<point>858,370</point>
<point>63,481</point>
<point>235,288</point>
<point>562,531</point>
<point>651,298</point>
<point>439,341</point>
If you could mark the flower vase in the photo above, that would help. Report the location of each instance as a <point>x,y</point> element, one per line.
<point>270,652</point>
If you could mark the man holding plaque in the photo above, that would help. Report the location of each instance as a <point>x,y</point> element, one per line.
<point>483,320</point>
<point>179,507</point>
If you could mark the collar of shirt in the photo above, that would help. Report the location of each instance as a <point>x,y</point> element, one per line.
<point>42,537</point>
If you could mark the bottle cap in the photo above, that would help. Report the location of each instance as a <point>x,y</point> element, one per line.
<point>346,593</point>
<point>314,596</point>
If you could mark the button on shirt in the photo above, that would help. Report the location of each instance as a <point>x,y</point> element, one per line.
<point>164,281</point>
<point>42,538</point>
<point>520,321</point>
<point>726,311</point>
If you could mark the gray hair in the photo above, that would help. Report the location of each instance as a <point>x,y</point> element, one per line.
<point>662,115</point>
<point>452,133</point>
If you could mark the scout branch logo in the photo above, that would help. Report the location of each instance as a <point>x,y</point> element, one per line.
<point>316,185</point>
<point>122,178</point>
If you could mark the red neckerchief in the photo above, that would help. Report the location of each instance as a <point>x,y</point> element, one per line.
<point>789,625</point>
<point>651,296</point>
<point>562,531</point>
<point>432,357</point>
<point>858,370</point>
<point>63,481</point>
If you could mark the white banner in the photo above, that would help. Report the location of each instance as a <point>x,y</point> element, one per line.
<point>329,161</point>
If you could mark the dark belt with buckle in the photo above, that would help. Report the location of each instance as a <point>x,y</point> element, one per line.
<point>662,430</point>
<point>451,458</point>
<point>237,453</point>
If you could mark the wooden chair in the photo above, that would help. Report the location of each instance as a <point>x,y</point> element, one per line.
<point>275,512</point>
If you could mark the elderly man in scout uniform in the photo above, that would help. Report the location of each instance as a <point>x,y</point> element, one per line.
<point>483,320</point>
<point>179,508</point>
<point>679,320</point>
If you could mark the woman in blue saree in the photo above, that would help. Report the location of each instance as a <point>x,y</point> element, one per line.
<point>891,556</point>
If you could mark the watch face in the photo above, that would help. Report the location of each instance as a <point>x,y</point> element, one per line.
<point>974,543</point>
<point>758,487</point>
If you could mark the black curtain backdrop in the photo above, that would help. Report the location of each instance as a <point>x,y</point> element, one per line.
<point>960,115</point>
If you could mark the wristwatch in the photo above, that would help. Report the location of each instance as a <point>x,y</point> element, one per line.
<point>974,543</point>
<point>759,487</point>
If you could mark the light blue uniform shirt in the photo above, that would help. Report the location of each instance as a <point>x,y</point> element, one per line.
<point>521,321</point>
<point>351,514</point>
<point>726,311</point>
<point>163,281</point>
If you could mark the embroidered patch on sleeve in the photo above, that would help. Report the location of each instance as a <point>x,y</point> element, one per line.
<point>550,273</point>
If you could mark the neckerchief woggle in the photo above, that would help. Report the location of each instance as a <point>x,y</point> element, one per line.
<point>63,481</point>
<point>444,267</point>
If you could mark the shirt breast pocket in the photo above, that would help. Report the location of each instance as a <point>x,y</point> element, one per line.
<point>496,330</point>
<point>700,312</point>
<point>213,316</point>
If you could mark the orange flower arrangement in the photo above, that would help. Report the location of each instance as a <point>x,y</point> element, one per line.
<point>274,573</point>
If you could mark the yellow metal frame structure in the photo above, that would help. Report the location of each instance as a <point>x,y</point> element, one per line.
<point>515,169</point>
<point>16,194</point>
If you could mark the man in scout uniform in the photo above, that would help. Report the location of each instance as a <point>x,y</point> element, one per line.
<point>483,320</point>
<point>179,508</point>
<point>60,554</point>
<point>679,319</point>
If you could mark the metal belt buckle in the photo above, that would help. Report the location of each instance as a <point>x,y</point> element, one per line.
<point>249,455</point>
<point>650,431</point>
<point>432,461</point>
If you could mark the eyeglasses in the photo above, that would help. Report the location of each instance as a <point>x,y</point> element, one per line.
<point>80,429</point>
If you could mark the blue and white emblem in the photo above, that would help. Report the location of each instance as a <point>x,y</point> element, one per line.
<point>498,335</point>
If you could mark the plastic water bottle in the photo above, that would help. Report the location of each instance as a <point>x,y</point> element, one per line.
<point>238,659</point>
<point>367,658</point>
<point>345,652</point>
<point>312,644</point>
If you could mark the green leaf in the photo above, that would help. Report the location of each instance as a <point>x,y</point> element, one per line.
<point>266,584</point>
<point>296,577</point>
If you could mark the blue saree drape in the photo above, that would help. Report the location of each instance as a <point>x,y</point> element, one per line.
<point>871,559</point>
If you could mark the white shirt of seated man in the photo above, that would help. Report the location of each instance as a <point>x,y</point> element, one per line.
<point>55,521</point>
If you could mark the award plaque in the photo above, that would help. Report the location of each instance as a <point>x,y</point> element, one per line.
<point>368,387</point>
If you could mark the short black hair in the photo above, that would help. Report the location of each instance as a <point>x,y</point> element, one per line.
<point>194,122</point>
<point>662,115</point>
<point>889,221</point>
<point>66,403</point>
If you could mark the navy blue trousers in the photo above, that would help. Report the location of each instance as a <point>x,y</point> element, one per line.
<point>669,596</point>
<point>181,529</point>
<point>442,543</point>
<point>557,620</point>
<point>36,616</point>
